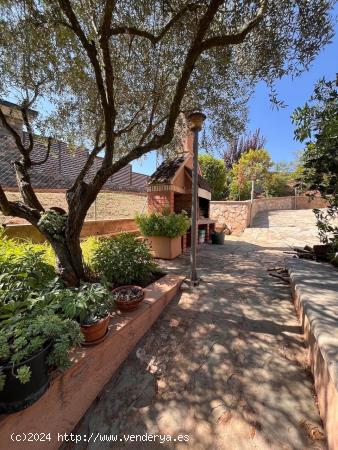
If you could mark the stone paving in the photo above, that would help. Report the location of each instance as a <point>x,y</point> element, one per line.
<point>225,364</point>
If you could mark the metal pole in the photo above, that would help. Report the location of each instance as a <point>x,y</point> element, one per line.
<point>194,208</point>
<point>295,198</point>
<point>252,198</point>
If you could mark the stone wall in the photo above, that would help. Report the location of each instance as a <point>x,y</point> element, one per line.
<point>236,215</point>
<point>271,204</point>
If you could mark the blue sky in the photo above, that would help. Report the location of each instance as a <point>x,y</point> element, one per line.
<point>276,125</point>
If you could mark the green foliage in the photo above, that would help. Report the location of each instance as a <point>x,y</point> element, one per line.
<point>54,224</point>
<point>252,165</point>
<point>123,259</point>
<point>317,125</point>
<point>25,336</point>
<point>88,247</point>
<point>23,374</point>
<point>86,304</point>
<point>239,189</point>
<point>214,171</point>
<point>23,269</point>
<point>276,184</point>
<point>166,224</point>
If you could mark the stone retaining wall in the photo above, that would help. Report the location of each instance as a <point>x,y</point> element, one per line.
<point>236,215</point>
<point>315,294</point>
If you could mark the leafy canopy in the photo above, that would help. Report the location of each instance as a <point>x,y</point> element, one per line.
<point>317,125</point>
<point>252,165</point>
<point>126,58</point>
<point>213,170</point>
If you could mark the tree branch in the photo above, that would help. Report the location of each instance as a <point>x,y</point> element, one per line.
<point>160,140</point>
<point>13,132</point>
<point>134,31</point>
<point>17,209</point>
<point>22,175</point>
<point>89,47</point>
<point>42,161</point>
<point>109,122</point>
<point>236,38</point>
<point>29,131</point>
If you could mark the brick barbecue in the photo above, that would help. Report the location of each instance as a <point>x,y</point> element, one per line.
<point>170,187</point>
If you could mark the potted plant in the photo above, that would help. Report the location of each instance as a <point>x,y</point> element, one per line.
<point>31,345</point>
<point>88,305</point>
<point>127,298</point>
<point>164,231</point>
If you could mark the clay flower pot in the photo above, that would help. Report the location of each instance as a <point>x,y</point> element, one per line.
<point>96,332</point>
<point>128,297</point>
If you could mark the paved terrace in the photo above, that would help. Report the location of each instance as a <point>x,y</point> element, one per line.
<point>225,363</point>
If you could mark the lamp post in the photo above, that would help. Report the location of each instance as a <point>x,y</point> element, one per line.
<point>195,123</point>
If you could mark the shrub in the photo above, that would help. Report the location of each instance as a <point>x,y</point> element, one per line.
<point>277,185</point>
<point>123,259</point>
<point>214,171</point>
<point>168,225</point>
<point>23,269</point>
<point>88,247</point>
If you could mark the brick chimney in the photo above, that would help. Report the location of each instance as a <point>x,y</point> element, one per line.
<point>14,117</point>
<point>184,137</point>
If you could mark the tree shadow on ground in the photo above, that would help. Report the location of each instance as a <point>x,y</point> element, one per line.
<point>224,364</point>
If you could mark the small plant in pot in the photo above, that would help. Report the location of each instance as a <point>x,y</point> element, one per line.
<point>88,305</point>
<point>30,346</point>
<point>164,232</point>
<point>127,298</point>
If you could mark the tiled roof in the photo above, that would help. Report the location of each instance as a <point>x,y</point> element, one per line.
<point>62,167</point>
<point>202,182</point>
<point>40,179</point>
<point>165,172</point>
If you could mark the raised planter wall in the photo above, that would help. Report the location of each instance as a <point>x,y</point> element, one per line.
<point>314,290</point>
<point>72,392</point>
<point>236,215</point>
<point>90,228</point>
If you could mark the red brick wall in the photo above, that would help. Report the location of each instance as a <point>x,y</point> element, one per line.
<point>157,201</point>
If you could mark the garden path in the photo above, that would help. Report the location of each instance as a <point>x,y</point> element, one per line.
<point>225,363</point>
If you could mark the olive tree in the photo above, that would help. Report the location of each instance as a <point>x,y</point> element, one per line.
<point>119,73</point>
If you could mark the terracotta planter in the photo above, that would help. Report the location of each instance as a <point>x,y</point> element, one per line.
<point>96,332</point>
<point>128,305</point>
<point>165,247</point>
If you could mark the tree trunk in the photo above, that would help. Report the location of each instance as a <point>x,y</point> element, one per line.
<point>69,261</point>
